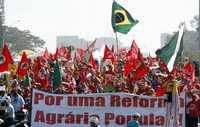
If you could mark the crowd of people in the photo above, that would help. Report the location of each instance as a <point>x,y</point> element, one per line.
<point>141,76</point>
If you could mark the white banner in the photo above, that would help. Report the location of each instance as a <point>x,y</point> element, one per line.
<point>113,109</point>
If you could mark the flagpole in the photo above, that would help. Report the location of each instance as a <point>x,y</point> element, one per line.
<point>87,44</point>
<point>116,39</point>
<point>117,43</point>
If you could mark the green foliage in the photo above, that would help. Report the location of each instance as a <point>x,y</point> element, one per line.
<point>19,40</point>
<point>195,22</point>
<point>191,40</point>
<point>193,55</point>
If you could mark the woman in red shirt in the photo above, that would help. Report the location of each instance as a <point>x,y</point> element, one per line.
<point>194,111</point>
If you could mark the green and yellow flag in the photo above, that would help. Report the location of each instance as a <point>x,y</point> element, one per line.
<point>121,20</point>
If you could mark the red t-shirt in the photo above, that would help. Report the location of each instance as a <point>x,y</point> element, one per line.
<point>123,90</point>
<point>194,108</point>
<point>93,88</point>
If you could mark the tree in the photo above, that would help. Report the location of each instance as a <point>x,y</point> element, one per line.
<point>191,40</point>
<point>195,22</point>
<point>19,40</point>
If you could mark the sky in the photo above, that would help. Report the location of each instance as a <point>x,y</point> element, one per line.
<point>90,19</point>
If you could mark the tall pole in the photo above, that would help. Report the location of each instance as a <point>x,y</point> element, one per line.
<point>199,24</point>
<point>2,19</point>
<point>117,43</point>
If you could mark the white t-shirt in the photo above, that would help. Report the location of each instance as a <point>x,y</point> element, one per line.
<point>17,102</point>
<point>10,111</point>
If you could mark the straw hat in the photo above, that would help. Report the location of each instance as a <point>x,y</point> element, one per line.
<point>137,115</point>
<point>2,88</point>
<point>94,119</point>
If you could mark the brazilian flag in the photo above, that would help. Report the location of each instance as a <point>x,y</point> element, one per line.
<point>121,20</point>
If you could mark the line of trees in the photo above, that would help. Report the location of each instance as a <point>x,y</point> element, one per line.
<point>19,40</point>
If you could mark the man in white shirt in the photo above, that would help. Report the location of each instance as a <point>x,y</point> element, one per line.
<point>2,92</point>
<point>8,111</point>
<point>17,100</point>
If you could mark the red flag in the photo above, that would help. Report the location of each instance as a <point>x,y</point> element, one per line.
<point>46,54</point>
<point>134,47</point>
<point>91,61</point>
<point>44,81</point>
<point>51,57</point>
<point>112,57</point>
<point>152,60</point>
<point>160,91</point>
<point>38,66</point>
<point>67,54</point>
<point>127,68</point>
<point>61,51</point>
<point>134,55</point>
<point>141,71</point>
<point>174,72</point>
<point>121,53</point>
<point>189,69</point>
<point>140,56</point>
<point>163,65</point>
<point>134,51</point>
<point>5,58</point>
<point>23,66</point>
<point>91,46</point>
<point>80,52</point>
<point>56,55</point>
<point>122,50</point>
<point>108,54</point>
<point>41,75</point>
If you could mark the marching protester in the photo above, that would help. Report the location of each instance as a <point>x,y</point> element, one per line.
<point>135,121</point>
<point>94,121</point>
<point>131,73</point>
<point>193,108</point>
<point>172,100</point>
<point>7,112</point>
<point>5,102</point>
<point>17,100</point>
<point>2,92</point>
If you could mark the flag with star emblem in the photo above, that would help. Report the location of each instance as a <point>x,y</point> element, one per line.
<point>121,20</point>
<point>23,66</point>
<point>5,58</point>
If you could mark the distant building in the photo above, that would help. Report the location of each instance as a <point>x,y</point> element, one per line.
<point>70,41</point>
<point>106,40</point>
<point>82,43</point>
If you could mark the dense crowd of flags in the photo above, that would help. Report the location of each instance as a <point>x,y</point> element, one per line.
<point>132,58</point>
